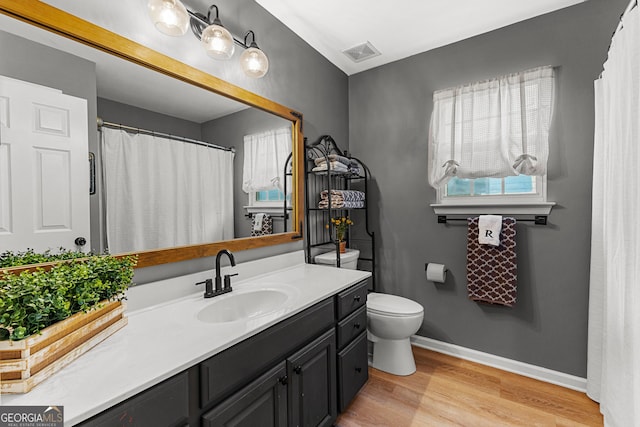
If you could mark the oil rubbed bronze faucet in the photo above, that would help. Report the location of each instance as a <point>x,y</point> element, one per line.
<point>219,288</point>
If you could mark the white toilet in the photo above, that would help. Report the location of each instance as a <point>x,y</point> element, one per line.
<point>348,260</point>
<point>391,322</point>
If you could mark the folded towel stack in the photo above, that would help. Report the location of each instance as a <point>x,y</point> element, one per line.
<point>337,163</point>
<point>342,199</point>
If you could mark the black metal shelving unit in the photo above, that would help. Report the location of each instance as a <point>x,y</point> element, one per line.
<point>321,239</point>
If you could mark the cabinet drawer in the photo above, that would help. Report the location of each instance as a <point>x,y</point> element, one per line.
<point>351,326</point>
<point>166,404</point>
<point>353,370</point>
<point>226,372</point>
<point>351,299</point>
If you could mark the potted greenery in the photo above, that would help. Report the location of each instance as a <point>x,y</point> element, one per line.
<point>341,225</point>
<point>53,310</point>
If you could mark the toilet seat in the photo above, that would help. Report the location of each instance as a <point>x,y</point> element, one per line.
<point>392,305</point>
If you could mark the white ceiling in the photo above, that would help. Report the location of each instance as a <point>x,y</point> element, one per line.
<point>330,26</point>
<point>400,28</point>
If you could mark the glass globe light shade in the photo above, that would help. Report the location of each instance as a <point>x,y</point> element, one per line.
<point>169,16</point>
<point>254,62</point>
<point>217,42</point>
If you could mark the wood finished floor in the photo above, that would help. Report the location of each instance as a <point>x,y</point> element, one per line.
<point>447,391</point>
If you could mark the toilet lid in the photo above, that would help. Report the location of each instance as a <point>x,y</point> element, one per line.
<point>392,305</point>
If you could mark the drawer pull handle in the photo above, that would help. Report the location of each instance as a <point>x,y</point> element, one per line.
<point>356,298</point>
<point>358,370</point>
<point>356,325</point>
<point>297,370</point>
<point>284,380</point>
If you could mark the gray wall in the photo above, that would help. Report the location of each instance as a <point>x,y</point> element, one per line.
<point>230,131</point>
<point>389,111</point>
<point>129,115</point>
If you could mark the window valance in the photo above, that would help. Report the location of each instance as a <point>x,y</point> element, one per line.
<point>494,128</point>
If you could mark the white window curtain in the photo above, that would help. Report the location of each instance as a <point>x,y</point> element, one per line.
<point>161,192</point>
<point>494,128</point>
<point>613,360</point>
<point>265,155</point>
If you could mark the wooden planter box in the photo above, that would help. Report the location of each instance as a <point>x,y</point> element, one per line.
<point>26,363</point>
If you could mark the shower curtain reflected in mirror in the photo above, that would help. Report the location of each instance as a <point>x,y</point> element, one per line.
<point>160,192</point>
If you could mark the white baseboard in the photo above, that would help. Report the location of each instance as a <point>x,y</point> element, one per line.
<point>509,365</point>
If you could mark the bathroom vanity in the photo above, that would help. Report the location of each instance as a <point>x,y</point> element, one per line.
<point>299,361</point>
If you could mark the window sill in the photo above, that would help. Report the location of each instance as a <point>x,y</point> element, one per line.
<point>533,208</point>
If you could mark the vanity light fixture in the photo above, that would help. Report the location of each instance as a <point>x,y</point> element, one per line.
<point>218,42</point>
<point>253,61</point>
<point>216,39</point>
<point>169,16</point>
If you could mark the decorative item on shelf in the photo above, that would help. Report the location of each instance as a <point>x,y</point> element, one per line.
<point>172,18</point>
<point>53,313</point>
<point>341,224</point>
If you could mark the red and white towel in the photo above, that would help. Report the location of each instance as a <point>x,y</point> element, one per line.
<point>492,272</point>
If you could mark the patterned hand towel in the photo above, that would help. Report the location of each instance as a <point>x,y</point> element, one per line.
<point>265,228</point>
<point>492,270</point>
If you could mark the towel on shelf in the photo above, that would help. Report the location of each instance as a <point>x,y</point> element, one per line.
<point>333,158</point>
<point>492,270</point>
<point>335,166</point>
<point>324,204</point>
<point>266,225</point>
<point>347,195</point>
<point>347,199</point>
<point>489,227</point>
<point>337,162</point>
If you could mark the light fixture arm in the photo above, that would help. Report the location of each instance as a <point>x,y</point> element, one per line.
<point>199,22</point>
<point>216,19</point>
<point>253,40</point>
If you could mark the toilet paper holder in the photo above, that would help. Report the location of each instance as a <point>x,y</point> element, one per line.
<point>436,273</point>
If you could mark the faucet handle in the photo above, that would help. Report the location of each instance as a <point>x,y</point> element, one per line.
<point>208,291</point>
<point>227,281</point>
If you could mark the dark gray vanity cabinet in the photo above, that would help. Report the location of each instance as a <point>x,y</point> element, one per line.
<point>353,362</point>
<point>296,373</point>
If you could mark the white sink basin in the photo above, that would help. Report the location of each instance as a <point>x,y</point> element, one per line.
<point>242,305</point>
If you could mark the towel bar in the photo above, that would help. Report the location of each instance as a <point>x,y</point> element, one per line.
<point>538,219</point>
<point>251,215</point>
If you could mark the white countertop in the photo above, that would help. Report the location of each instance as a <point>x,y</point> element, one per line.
<point>165,339</point>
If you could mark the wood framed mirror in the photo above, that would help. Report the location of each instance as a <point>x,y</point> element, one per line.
<point>56,21</point>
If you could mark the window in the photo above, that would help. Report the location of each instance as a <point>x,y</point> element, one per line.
<point>263,177</point>
<point>488,141</point>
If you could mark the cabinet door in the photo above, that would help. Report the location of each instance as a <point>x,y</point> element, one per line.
<point>261,403</point>
<point>312,383</point>
<point>353,370</point>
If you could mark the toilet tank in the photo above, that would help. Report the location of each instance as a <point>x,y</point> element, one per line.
<point>348,260</point>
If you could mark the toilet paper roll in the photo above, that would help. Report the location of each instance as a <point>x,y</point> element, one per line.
<point>436,272</point>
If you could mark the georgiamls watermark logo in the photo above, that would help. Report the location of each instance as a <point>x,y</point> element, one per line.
<point>31,416</point>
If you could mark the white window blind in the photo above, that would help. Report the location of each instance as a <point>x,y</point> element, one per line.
<point>492,129</point>
<point>265,155</point>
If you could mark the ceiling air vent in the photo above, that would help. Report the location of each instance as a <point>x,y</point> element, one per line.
<point>361,52</point>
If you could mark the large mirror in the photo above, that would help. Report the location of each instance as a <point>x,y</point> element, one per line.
<point>140,88</point>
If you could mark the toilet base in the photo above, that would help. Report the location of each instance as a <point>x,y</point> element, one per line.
<point>393,356</point>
